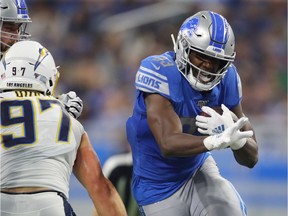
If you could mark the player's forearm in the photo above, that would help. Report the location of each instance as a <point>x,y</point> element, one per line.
<point>177,145</point>
<point>248,154</point>
<point>107,201</point>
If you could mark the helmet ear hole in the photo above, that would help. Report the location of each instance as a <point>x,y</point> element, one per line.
<point>48,92</point>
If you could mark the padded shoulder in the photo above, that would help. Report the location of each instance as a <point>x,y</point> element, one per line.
<point>159,74</point>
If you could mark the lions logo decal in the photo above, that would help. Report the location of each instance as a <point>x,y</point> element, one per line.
<point>190,26</point>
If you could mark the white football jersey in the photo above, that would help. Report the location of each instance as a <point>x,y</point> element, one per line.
<point>39,142</point>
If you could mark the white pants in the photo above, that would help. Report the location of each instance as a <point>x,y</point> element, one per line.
<point>36,204</point>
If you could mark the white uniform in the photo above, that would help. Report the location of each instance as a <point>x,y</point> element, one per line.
<point>39,142</point>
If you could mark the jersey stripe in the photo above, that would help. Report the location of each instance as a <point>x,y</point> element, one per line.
<point>151,82</point>
<point>153,73</point>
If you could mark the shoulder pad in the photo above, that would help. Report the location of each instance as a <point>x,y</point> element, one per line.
<point>158,74</point>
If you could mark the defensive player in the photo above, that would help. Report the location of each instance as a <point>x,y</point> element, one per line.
<point>41,144</point>
<point>174,172</point>
<point>13,25</point>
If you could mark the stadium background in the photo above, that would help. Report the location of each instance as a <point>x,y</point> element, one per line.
<point>98,45</point>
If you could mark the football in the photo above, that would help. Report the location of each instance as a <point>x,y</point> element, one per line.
<point>216,108</point>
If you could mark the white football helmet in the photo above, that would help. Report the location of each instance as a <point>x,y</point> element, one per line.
<point>210,34</point>
<point>14,11</point>
<point>30,66</point>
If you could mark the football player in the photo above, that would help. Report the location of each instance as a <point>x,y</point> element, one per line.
<point>42,144</point>
<point>14,20</point>
<point>174,172</point>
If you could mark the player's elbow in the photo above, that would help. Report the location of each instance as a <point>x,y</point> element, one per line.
<point>102,188</point>
<point>252,162</point>
<point>252,159</point>
<point>248,162</point>
<point>166,153</point>
<point>166,150</point>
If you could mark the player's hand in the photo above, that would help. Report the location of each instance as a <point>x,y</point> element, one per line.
<point>232,137</point>
<point>214,123</point>
<point>73,104</point>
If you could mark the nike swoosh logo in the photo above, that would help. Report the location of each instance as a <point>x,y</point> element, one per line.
<point>156,67</point>
<point>4,7</point>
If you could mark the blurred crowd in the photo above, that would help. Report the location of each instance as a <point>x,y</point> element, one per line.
<point>98,45</point>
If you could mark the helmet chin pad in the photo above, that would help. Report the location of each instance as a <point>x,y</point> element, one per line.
<point>197,76</point>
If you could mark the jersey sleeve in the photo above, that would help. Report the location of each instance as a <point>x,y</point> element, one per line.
<point>233,88</point>
<point>159,74</point>
<point>78,131</point>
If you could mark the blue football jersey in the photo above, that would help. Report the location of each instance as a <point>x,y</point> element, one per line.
<point>156,177</point>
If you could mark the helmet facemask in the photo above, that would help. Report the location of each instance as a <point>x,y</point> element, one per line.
<point>21,35</point>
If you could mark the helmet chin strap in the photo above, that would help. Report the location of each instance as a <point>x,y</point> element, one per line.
<point>195,82</point>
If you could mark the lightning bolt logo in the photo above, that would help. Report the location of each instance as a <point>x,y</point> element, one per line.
<point>43,52</point>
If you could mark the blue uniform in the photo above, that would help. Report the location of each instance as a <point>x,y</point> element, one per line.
<point>156,177</point>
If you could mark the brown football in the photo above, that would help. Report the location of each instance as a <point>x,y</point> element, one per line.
<point>216,108</point>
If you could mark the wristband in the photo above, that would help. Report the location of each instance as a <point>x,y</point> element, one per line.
<point>209,142</point>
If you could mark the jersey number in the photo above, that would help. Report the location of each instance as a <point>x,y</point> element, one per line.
<point>25,119</point>
<point>14,70</point>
